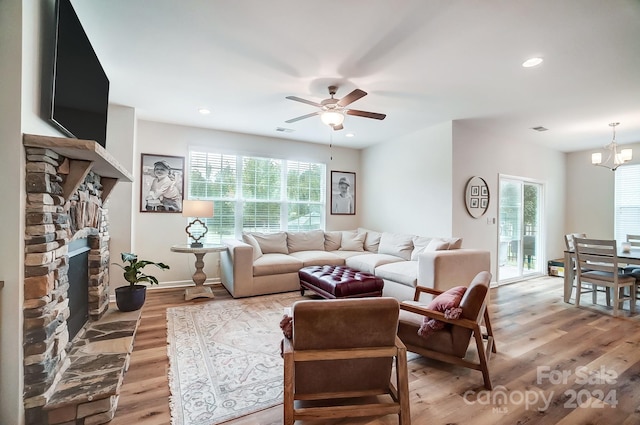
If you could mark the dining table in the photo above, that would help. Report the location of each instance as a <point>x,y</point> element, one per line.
<point>630,257</point>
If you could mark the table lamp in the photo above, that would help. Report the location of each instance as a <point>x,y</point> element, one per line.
<point>197,209</point>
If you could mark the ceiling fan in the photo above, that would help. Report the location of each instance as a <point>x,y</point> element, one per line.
<point>332,110</point>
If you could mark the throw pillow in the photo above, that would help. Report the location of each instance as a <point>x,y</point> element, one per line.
<point>272,243</point>
<point>397,244</point>
<point>352,241</point>
<point>454,243</point>
<point>249,239</point>
<point>448,303</point>
<point>332,240</point>
<point>437,245</point>
<point>372,240</point>
<point>419,245</point>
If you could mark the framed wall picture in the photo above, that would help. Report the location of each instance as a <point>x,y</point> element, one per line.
<point>161,183</point>
<point>476,197</point>
<point>343,192</point>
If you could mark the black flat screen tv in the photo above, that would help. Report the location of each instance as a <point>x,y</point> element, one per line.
<point>80,87</point>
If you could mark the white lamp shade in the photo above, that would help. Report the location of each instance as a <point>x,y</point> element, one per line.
<point>332,118</point>
<point>596,158</point>
<point>197,208</point>
<point>626,154</point>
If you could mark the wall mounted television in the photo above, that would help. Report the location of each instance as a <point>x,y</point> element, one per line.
<point>80,87</point>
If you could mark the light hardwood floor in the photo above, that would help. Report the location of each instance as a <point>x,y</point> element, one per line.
<point>539,338</point>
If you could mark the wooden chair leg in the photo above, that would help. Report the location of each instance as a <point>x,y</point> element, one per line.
<point>616,301</point>
<point>289,417</point>
<point>487,324</point>
<point>402,378</point>
<point>482,354</point>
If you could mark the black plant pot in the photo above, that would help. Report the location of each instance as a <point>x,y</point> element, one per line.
<point>130,298</point>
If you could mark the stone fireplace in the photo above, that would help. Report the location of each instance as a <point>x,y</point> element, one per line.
<point>70,380</point>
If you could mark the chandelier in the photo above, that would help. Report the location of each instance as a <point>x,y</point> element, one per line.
<point>615,158</point>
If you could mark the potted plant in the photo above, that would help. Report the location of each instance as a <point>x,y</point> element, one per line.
<point>132,296</point>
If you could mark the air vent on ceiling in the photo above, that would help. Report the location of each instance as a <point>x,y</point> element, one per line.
<point>539,128</point>
<point>284,130</point>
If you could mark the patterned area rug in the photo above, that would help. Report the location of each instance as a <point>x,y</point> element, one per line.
<point>225,358</point>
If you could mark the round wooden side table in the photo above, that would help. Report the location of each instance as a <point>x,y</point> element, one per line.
<point>198,291</point>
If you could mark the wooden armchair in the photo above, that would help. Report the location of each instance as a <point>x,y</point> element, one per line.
<point>452,342</point>
<point>345,349</point>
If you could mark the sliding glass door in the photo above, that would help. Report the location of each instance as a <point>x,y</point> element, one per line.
<point>520,232</point>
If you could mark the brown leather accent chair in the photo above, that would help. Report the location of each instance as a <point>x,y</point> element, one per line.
<point>342,355</point>
<point>451,343</point>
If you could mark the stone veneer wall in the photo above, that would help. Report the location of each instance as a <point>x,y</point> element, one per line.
<point>51,222</point>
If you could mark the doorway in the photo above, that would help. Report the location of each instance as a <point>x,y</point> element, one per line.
<point>520,238</point>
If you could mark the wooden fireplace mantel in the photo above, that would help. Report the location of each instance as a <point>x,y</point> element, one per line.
<point>84,156</point>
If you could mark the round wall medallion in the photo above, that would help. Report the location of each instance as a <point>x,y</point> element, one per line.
<point>476,196</point>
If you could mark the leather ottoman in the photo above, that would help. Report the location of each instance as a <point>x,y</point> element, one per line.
<point>339,282</point>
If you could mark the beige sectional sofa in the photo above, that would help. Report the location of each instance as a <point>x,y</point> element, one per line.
<point>269,263</point>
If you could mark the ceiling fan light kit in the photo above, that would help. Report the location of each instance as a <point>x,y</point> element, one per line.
<point>332,118</point>
<point>332,111</point>
<point>615,158</point>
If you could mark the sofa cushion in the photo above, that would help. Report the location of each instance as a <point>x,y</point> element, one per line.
<point>305,241</point>
<point>318,258</point>
<point>332,240</point>
<point>352,241</point>
<point>404,272</point>
<point>272,243</point>
<point>368,262</point>
<point>372,240</point>
<point>249,239</point>
<point>348,254</point>
<point>270,264</point>
<point>398,244</point>
<point>454,243</point>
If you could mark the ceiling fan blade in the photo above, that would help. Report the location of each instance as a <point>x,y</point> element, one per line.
<point>338,127</point>
<point>302,117</point>
<point>366,114</point>
<point>351,97</point>
<point>308,102</point>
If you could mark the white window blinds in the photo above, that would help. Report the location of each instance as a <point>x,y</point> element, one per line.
<point>627,202</point>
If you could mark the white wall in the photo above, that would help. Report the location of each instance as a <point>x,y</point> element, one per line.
<point>154,233</point>
<point>121,140</point>
<point>23,39</point>
<point>11,194</point>
<point>406,183</point>
<point>476,152</point>
<point>590,195</point>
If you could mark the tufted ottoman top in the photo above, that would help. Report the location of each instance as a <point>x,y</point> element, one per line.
<point>340,281</point>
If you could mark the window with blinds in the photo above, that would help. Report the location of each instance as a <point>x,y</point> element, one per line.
<point>257,194</point>
<point>627,202</point>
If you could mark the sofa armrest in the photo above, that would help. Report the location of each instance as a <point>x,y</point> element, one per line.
<point>443,270</point>
<point>236,265</point>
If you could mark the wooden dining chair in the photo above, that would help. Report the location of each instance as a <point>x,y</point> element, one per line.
<point>597,265</point>
<point>569,241</point>
<point>634,241</point>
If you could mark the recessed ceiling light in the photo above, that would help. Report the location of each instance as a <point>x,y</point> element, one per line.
<point>204,111</point>
<point>350,135</point>
<point>532,62</point>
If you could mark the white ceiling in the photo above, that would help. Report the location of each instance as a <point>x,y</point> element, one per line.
<point>421,62</point>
